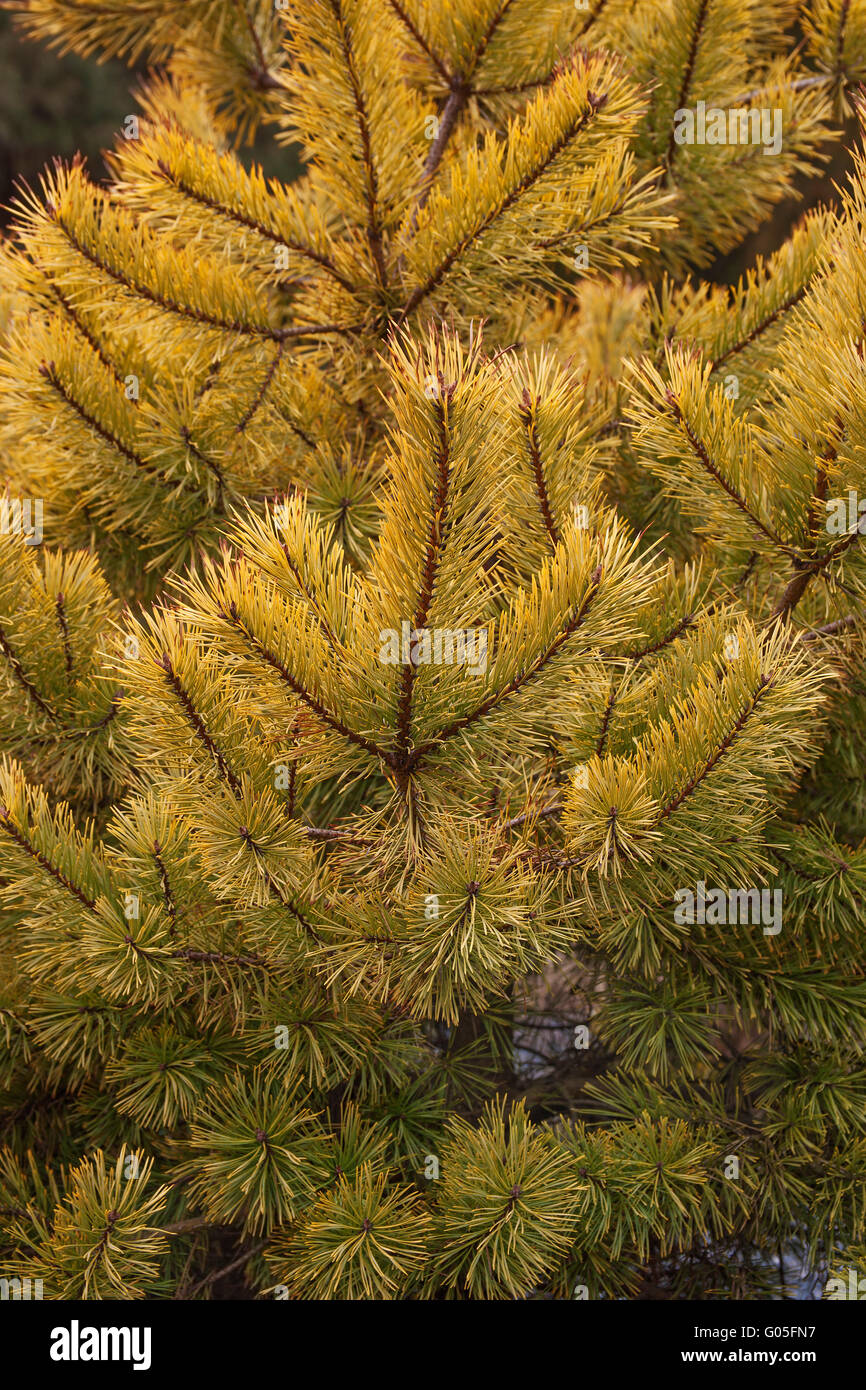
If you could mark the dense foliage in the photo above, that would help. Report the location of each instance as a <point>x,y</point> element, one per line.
<point>431,624</point>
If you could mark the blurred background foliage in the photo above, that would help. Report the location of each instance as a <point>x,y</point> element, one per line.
<point>53,105</point>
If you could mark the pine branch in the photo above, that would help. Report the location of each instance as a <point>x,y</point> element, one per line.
<point>168,897</point>
<point>765,683</point>
<point>840,37</point>
<point>422,43</point>
<point>601,741</point>
<point>90,338</point>
<point>438,506</point>
<point>217,1274</point>
<point>676,631</point>
<point>760,328</point>
<point>830,629</point>
<point>526,415</point>
<point>263,77</point>
<point>21,839</point>
<point>258,399</point>
<point>457,99</point>
<point>215,957</point>
<point>327,716</point>
<point>200,729</point>
<point>688,72</point>
<point>700,451</point>
<point>595,13</point>
<point>293,332</point>
<point>242,219</point>
<point>60,610</point>
<point>347,955</point>
<point>23,680</point>
<point>523,186</point>
<point>525,816</point>
<point>374,221</point>
<point>212,466</point>
<point>800,84</point>
<point>495,699</point>
<point>48,371</point>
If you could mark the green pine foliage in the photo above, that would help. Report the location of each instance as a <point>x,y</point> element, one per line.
<point>431,818</point>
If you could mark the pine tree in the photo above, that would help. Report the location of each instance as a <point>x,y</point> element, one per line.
<point>431,823</point>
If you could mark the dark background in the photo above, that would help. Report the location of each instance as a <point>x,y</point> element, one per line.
<point>53,105</point>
